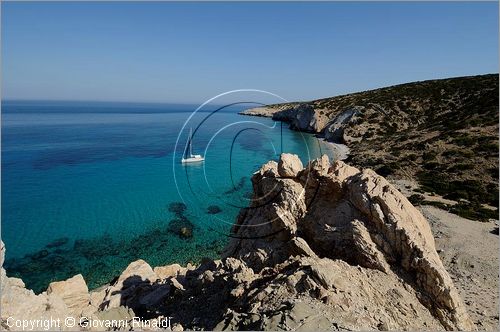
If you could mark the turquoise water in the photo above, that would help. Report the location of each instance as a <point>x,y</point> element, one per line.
<point>90,188</point>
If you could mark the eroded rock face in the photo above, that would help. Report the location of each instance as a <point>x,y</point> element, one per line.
<point>303,117</point>
<point>334,130</point>
<point>325,247</point>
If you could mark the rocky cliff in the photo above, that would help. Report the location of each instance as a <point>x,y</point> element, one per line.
<point>325,246</point>
<point>441,133</point>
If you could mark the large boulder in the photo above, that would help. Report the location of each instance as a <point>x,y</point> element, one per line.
<point>289,165</point>
<point>73,291</point>
<point>136,274</point>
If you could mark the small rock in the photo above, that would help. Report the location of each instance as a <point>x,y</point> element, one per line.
<point>186,232</point>
<point>168,271</point>
<point>208,276</point>
<point>177,207</point>
<point>382,326</point>
<point>238,291</point>
<point>175,283</point>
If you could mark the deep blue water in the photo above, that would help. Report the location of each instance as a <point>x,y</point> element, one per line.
<point>88,188</point>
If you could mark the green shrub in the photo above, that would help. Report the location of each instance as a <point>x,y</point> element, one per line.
<point>439,205</point>
<point>474,211</point>
<point>385,170</point>
<point>429,156</point>
<point>465,140</point>
<point>494,172</point>
<point>458,153</point>
<point>489,147</point>
<point>460,167</point>
<point>416,199</point>
<point>431,165</point>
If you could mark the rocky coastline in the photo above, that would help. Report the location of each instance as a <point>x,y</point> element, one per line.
<point>322,246</point>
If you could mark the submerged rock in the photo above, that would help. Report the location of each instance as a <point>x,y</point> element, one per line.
<point>177,208</point>
<point>186,232</point>
<point>57,243</point>
<point>236,187</point>
<point>181,227</point>
<point>213,209</point>
<point>40,254</point>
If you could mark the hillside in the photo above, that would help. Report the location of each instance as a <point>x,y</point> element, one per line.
<point>441,136</point>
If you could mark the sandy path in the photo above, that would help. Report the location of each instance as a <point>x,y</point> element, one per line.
<point>469,250</point>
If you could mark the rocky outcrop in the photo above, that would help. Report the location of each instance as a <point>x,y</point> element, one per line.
<point>325,247</point>
<point>301,116</point>
<point>333,131</point>
<point>340,213</point>
<point>260,111</point>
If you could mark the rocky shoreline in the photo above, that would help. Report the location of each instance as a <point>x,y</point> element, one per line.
<point>325,246</point>
<point>302,118</point>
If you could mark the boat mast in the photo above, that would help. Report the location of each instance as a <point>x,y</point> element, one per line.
<point>187,147</point>
<point>190,142</point>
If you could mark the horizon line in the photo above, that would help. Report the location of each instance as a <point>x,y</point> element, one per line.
<point>2,100</point>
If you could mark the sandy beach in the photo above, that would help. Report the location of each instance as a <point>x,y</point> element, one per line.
<point>339,151</point>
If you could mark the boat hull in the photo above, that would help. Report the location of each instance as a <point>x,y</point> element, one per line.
<point>193,159</point>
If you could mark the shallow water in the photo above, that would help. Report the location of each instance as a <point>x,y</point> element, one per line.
<point>89,188</point>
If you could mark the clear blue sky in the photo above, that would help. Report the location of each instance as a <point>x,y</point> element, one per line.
<point>188,52</point>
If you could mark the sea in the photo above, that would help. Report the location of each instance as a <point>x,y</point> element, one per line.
<point>89,187</point>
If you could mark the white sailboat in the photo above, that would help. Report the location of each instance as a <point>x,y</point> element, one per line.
<point>188,156</point>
